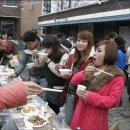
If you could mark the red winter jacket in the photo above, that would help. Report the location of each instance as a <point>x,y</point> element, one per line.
<point>12,96</point>
<point>92,114</point>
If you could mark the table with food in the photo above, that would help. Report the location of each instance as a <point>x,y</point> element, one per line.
<point>5,71</point>
<point>36,115</point>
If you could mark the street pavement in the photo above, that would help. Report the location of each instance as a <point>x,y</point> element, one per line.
<point>121,114</point>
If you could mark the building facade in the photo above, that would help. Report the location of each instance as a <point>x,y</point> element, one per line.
<point>19,16</point>
<point>30,10</point>
<point>101,19</point>
<point>10,15</point>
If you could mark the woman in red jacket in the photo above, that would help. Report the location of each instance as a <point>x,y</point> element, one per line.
<point>15,94</point>
<point>77,62</point>
<point>103,89</point>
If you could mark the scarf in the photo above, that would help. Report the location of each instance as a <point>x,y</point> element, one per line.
<point>9,46</point>
<point>96,82</point>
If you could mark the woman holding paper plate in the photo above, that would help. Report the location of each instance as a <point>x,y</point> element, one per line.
<point>104,87</point>
<point>56,55</point>
<point>77,62</point>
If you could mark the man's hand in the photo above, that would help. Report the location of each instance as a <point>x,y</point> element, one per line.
<point>32,88</point>
<point>34,53</point>
<point>12,76</point>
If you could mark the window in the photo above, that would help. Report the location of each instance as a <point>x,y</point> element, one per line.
<point>46,6</point>
<point>7,25</point>
<point>10,2</point>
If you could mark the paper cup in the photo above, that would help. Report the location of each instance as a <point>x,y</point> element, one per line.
<point>81,87</point>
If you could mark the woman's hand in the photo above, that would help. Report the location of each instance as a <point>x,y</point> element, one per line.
<point>67,76</point>
<point>82,94</point>
<point>45,59</point>
<point>59,66</point>
<point>32,88</point>
<point>89,71</point>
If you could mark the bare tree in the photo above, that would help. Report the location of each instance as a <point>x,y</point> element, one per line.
<point>46,6</point>
<point>58,5</point>
<point>69,3</point>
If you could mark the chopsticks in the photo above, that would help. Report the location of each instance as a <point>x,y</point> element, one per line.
<point>104,72</point>
<point>1,60</point>
<point>52,90</point>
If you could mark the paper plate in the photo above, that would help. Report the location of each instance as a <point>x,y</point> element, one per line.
<point>27,51</point>
<point>31,121</point>
<point>2,67</point>
<point>28,110</point>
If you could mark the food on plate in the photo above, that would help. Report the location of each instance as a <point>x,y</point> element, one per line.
<point>28,109</point>
<point>36,120</point>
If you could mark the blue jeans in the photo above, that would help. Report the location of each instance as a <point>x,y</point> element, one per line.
<point>69,109</point>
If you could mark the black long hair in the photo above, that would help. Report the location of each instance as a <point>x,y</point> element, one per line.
<point>57,51</point>
<point>30,36</point>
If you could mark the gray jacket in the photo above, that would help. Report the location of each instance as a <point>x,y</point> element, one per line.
<point>37,72</point>
<point>23,60</point>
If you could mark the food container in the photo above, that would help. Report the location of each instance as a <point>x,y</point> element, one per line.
<point>81,87</point>
<point>65,71</point>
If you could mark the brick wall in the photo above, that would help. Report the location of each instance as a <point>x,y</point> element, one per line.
<point>30,17</point>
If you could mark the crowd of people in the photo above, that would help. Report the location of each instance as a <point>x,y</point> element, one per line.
<point>101,67</point>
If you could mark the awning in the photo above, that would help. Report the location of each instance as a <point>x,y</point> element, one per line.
<point>116,15</point>
<point>4,16</point>
<point>36,27</point>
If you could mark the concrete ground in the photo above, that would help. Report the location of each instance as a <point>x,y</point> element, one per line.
<point>122,114</point>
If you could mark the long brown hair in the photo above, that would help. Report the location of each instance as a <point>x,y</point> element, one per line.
<point>85,35</point>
